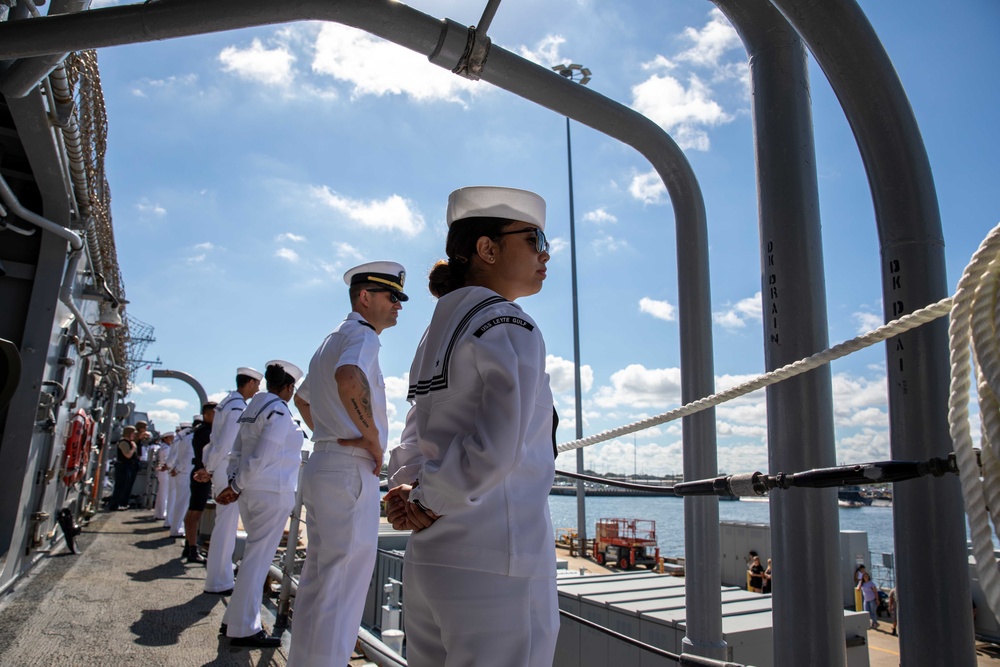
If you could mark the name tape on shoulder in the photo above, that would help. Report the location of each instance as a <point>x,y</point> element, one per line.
<point>507,319</point>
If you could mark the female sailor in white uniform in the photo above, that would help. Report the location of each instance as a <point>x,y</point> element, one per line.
<point>476,461</point>
<point>263,480</point>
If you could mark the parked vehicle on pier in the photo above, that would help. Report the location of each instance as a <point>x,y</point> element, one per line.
<point>628,542</point>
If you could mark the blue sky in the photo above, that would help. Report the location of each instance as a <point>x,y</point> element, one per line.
<point>250,169</point>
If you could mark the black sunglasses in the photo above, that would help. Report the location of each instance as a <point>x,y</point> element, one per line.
<point>392,296</point>
<point>541,245</point>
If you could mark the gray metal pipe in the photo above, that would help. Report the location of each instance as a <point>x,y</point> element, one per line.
<point>444,43</point>
<point>183,377</point>
<point>12,202</point>
<point>926,512</point>
<point>805,525</point>
<point>22,77</point>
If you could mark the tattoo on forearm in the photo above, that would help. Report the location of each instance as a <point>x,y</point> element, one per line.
<point>361,414</point>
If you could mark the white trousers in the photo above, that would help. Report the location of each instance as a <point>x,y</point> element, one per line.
<point>180,496</point>
<point>264,515</point>
<point>466,618</point>
<point>162,494</point>
<point>219,568</point>
<point>341,497</point>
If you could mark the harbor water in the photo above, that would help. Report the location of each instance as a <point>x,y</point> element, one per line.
<point>668,513</point>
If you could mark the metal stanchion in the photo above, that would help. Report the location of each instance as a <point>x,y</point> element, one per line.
<point>288,566</point>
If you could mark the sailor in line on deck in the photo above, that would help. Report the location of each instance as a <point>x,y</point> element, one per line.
<point>263,473</point>
<point>342,400</point>
<point>219,579</point>
<point>476,461</point>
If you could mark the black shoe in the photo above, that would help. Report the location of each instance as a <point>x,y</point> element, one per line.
<point>228,591</point>
<point>259,640</point>
<point>192,555</point>
<point>222,629</point>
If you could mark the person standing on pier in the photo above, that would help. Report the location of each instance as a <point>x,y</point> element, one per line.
<point>179,462</point>
<point>219,579</point>
<point>263,480</point>
<point>159,460</point>
<point>869,593</point>
<point>343,401</point>
<point>201,488</point>
<point>126,468</point>
<point>477,455</point>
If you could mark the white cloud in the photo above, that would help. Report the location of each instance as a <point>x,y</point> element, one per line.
<point>558,245</point>
<point>147,208</point>
<point>149,388</point>
<point>648,188</point>
<point>396,388</point>
<point>272,67</point>
<point>173,403</point>
<point>737,316</point>
<point>164,419</point>
<point>288,236</point>
<point>172,85</point>
<point>546,52</point>
<point>561,376</point>
<point>606,243</point>
<point>347,251</point>
<point>681,111</point>
<point>391,214</point>
<point>218,396</point>
<point>661,310</point>
<point>867,321</point>
<point>373,66</point>
<point>204,246</point>
<point>287,254</point>
<point>711,42</point>
<point>680,101</point>
<point>599,216</point>
<point>641,387</point>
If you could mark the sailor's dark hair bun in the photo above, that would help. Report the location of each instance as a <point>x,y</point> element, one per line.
<point>276,377</point>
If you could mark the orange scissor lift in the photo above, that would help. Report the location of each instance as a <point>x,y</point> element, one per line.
<point>629,542</point>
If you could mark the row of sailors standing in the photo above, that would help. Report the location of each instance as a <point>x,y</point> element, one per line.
<point>473,470</point>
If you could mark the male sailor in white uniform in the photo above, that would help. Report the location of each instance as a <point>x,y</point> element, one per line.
<point>179,467</point>
<point>263,479</point>
<point>159,458</point>
<point>343,401</point>
<point>219,578</point>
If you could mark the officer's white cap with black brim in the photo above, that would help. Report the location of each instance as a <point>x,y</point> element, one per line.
<point>390,274</point>
<point>481,201</point>
<point>251,373</point>
<point>289,367</point>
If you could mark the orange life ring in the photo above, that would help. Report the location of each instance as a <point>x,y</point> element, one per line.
<point>77,451</point>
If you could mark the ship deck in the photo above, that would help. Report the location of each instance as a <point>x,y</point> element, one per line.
<point>128,599</point>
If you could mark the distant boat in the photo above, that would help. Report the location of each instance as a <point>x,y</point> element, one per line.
<point>851,496</point>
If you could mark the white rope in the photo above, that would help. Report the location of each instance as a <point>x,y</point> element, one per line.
<point>884,332</point>
<point>975,313</point>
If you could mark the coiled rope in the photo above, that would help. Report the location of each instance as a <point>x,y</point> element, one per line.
<point>975,314</point>
<point>884,332</point>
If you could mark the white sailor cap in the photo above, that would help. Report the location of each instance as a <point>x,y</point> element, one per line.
<point>184,425</point>
<point>250,372</point>
<point>496,202</point>
<point>289,367</point>
<point>167,434</point>
<point>390,274</point>
<point>197,418</point>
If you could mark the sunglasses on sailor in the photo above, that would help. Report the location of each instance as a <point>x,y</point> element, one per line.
<point>392,297</point>
<point>541,244</point>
